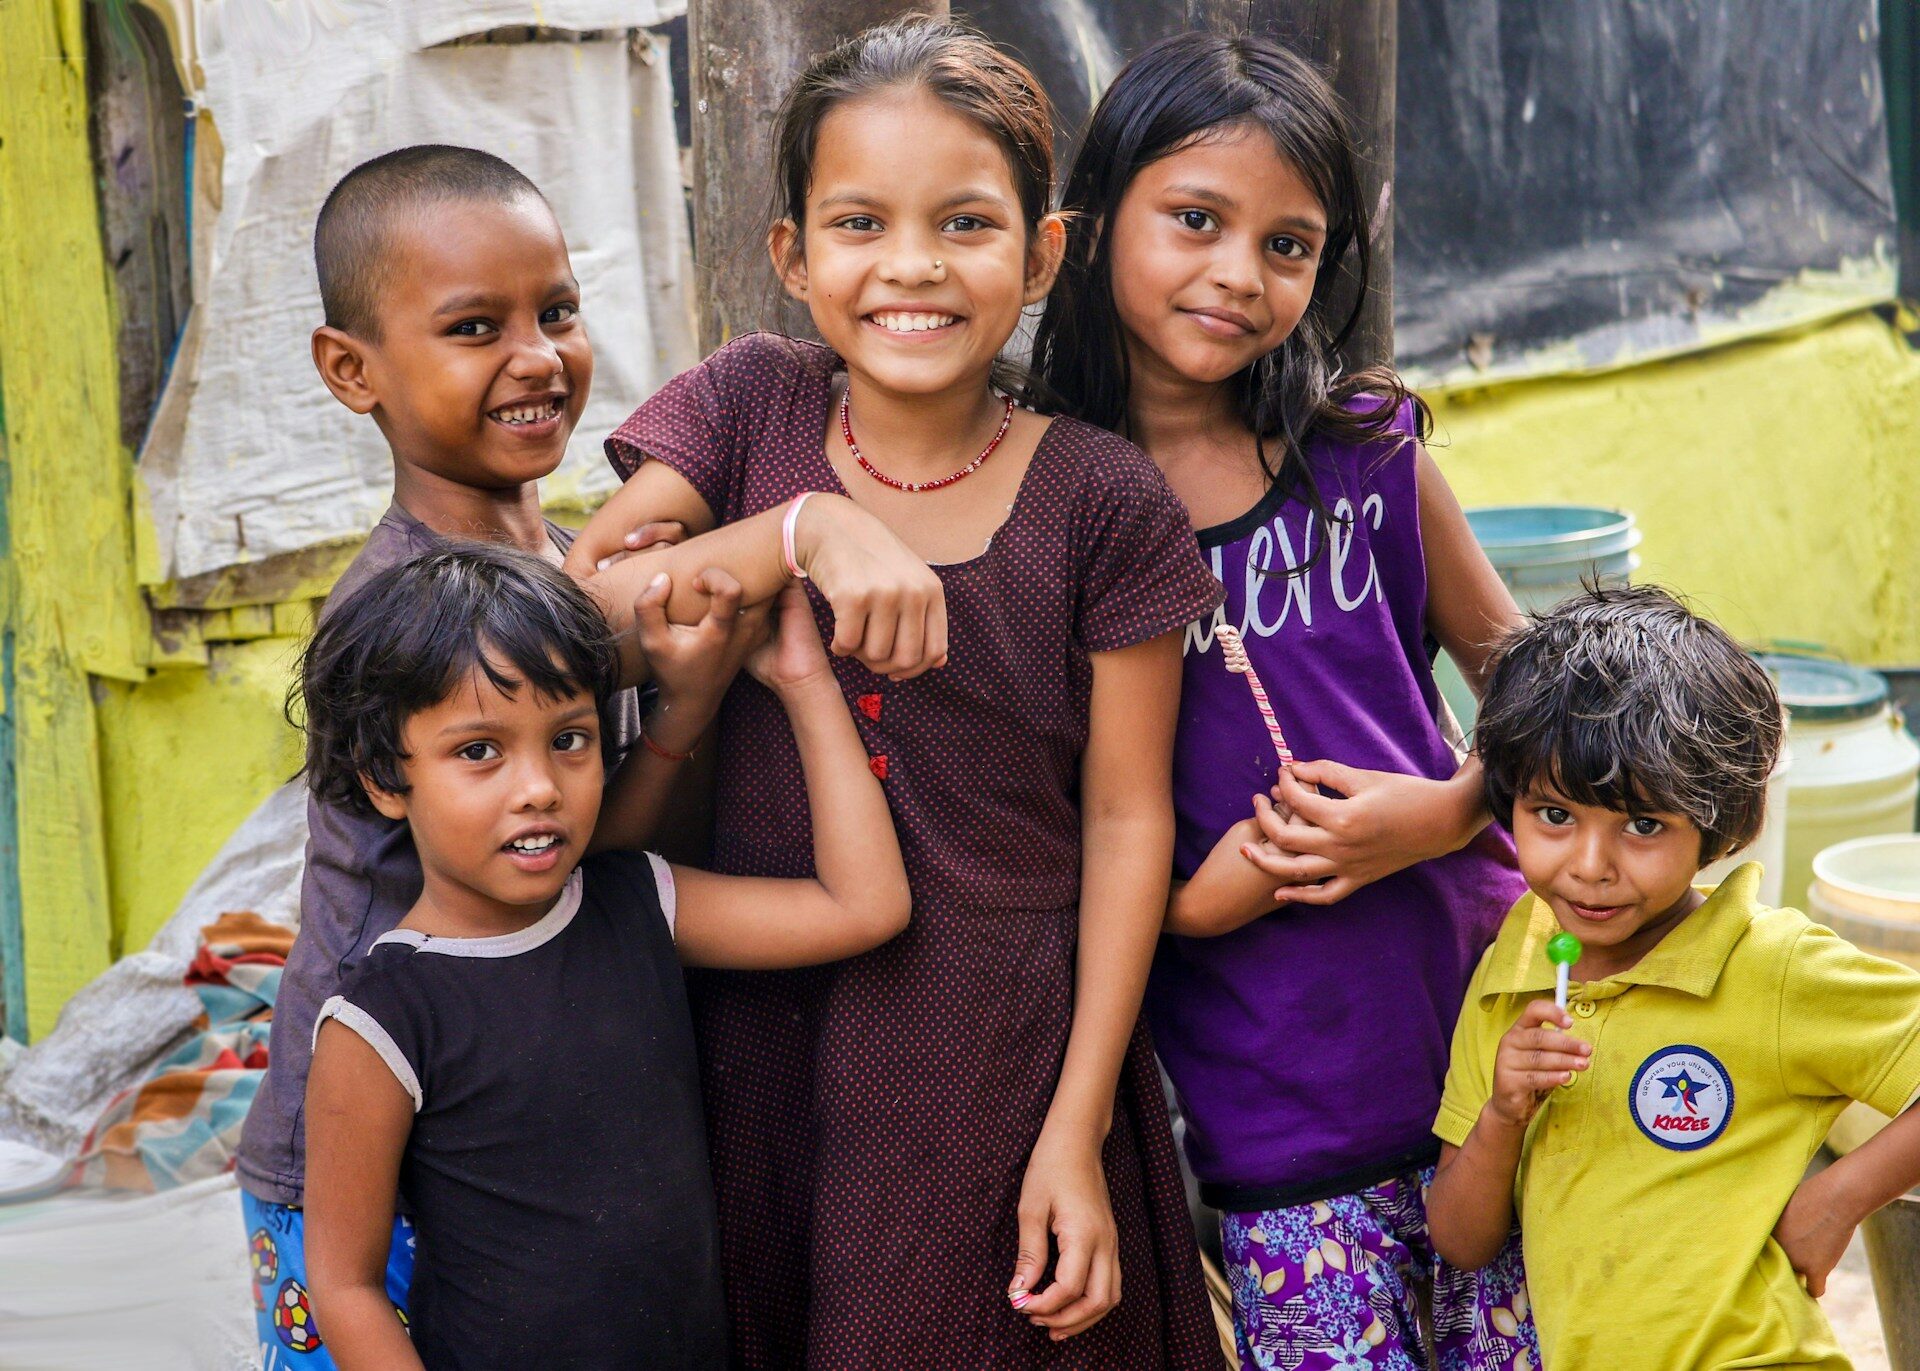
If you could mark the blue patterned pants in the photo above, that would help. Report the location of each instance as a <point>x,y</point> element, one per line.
<point>1332,1285</point>
<point>277,1250</point>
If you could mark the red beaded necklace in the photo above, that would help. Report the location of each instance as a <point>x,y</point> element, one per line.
<point>846,431</point>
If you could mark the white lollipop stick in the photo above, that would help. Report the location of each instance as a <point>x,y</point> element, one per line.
<point>1235,653</point>
<point>1560,984</point>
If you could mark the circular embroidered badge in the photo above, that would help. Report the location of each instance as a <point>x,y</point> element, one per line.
<point>1681,1097</point>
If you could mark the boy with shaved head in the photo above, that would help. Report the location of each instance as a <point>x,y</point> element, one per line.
<point>453,319</point>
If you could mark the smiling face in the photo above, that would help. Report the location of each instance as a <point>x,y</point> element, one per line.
<point>482,365</point>
<point>914,260</point>
<point>1214,253</point>
<point>503,793</point>
<point>1618,882</point>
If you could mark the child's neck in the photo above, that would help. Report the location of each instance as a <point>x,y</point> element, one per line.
<point>923,436</point>
<point>448,909</point>
<point>1195,435</point>
<point>1176,419</point>
<point>510,515</point>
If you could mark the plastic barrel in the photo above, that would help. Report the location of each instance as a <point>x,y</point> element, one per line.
<point>1868,891</point>
<point>1770,848</point>
<point>1543,553</point>
<point>1856,770</point>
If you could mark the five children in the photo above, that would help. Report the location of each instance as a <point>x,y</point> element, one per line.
<point>499,1129</point>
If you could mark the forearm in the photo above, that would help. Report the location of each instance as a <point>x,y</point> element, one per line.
<point>1227,892</point>
<point>637,798</point>
<point>856,852</point>
<point>749,551</point>
<point>1880,1170</point>
<point>362,1331</point>
<point>1468,792</point>
<point>1470,1203</point>
<point>1123,890</point>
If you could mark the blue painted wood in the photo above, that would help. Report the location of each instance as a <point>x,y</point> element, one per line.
<point>13,963</point>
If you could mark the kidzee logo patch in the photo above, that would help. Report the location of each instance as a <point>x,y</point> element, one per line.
<point>1681,1097</point>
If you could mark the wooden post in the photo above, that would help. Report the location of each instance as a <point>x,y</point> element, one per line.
<point>1356,42</point>
<point>741,55</point>
<point>70,607</point>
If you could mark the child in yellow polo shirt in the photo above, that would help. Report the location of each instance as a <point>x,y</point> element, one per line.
<point>1654,1139</point>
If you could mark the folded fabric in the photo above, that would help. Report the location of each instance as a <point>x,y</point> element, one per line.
<point>182,1123</point>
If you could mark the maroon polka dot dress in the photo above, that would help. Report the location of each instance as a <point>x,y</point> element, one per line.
<point>871,1120</point>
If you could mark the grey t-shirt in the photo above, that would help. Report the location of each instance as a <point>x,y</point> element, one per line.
<point>361,878</point>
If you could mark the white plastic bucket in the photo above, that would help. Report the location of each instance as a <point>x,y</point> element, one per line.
<point>1856,769</point>
<point>1770,848</point>
<point>1868,891</point>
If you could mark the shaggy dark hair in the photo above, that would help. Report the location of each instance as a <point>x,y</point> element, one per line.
<point>1624,699</point>
<point>412,633</point>
<point>353,238</point>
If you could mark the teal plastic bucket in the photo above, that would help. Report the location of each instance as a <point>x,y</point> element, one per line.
<point>1544,553</point>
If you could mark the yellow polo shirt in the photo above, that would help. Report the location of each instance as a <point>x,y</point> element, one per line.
<point>1648,1188</point>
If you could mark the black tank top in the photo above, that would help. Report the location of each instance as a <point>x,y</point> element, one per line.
<point>557,1169</point>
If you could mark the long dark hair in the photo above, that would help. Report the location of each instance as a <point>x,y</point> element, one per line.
<point>1178,91</point>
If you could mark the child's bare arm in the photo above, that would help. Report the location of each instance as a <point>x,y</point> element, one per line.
<point>1470,1204</point>
<point>692,666</point>
<point>859,897</point>
<point>654,495</point>
<point>1127,845</point>
<point>889,607</point>
<point>358,1119</point>
<point>1827,1207</point>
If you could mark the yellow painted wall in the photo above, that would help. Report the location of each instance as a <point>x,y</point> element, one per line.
<point>185,757</point>
<point>71,600</point>
<point>1777,481</point>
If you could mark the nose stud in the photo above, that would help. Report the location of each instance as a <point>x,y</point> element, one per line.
<point>940,267</point>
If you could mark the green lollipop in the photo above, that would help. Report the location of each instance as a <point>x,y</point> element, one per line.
<point>1563,950</point>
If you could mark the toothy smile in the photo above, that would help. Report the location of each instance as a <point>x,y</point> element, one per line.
<point>534,843</point>
<point>533,412</point>
<point>898,321</point>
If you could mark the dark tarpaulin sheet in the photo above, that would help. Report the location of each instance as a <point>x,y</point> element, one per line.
<point>1582,184</point>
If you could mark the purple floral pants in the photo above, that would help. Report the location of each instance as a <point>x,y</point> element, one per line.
<point>1331,1285</point>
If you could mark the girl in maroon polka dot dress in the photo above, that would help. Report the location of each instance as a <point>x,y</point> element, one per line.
<point>953,1151</point>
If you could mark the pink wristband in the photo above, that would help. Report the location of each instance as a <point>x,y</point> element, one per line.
<point>794,569</point>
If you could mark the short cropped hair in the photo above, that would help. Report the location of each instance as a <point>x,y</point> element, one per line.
<point>353,236</point>
<point>411,634</point>
<point>1623,698</point>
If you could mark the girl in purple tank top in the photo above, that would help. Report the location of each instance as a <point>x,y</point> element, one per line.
<point>1327,915</point>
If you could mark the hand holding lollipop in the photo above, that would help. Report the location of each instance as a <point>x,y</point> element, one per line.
<point>1563,950</point>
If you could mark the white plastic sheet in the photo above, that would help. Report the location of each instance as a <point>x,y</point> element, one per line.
<point>251,457</point>
<point>110,1034</point>
<point>98,1282</point>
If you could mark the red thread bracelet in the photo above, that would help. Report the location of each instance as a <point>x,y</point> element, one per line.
<point>664,754</point>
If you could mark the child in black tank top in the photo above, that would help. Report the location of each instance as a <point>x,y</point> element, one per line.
<point>515,1062</point>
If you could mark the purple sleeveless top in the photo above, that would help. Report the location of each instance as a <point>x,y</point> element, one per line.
<point>1308,1047</point>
